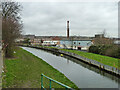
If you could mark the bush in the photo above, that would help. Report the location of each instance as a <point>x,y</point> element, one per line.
<point>108,50</point>
<point>113,52</point>
<point>94,49</point>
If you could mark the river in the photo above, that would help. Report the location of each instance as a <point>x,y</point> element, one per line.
<point>83,75</point>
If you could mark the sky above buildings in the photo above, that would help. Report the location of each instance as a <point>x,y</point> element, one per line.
<point>86,18</point>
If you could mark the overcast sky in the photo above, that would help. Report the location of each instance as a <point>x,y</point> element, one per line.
<point>86,18</point>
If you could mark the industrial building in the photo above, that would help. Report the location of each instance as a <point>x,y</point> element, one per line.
<point>76,44</point>
<point>73,43</point>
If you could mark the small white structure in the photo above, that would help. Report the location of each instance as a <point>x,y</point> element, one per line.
<point>50,43</point>
<point>117,42</point>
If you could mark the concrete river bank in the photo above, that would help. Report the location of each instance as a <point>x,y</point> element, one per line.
<point>83,75</point>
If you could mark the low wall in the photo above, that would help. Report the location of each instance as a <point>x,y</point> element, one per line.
<point>109,69</point>
<point>104,67</point>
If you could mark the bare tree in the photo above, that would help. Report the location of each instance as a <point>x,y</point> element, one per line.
<point>11,25</point>
<point>11,9</point>
<point>0,25</point>
<point>103,41</point>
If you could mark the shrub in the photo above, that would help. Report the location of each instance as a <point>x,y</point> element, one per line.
<point>108,50</point>
<point>114,51</point>
<point>94,49</point>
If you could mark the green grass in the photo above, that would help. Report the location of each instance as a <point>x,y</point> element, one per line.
<point>100,58</point>
<point>0,82</point>
<point>24,71</point>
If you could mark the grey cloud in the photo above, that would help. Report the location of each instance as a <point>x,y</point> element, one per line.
<point>85,18</point>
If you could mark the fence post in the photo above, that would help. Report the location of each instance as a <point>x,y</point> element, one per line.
<point>103,66</point>
<point>50,81</point>
<point>89,62</point>
<point>112,68</point>
<point>41,82</point>
<point>100,66</point>
<point>65,88</point>
<point>50,84</point>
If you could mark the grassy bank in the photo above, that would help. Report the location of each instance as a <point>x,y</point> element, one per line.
<point>114,62</point>
<point>25,69</point>
<point>100,58</point>
<point>46,46</point>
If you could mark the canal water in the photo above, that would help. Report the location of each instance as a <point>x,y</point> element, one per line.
<point>83,75</point>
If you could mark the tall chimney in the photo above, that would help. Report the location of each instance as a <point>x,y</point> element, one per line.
<point>67,29</point>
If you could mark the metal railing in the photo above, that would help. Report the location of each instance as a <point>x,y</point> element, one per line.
<point>50,80</point>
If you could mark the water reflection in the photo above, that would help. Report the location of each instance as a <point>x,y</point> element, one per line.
<point>103,73</point>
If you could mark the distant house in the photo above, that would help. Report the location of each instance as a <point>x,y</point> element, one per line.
<point>52,41</point>
<point>19,40</point>
<point>117,42</point>
<point>29,36</point>
<point>35,41</point>
<point>99,36</point>
<point>24,37</point>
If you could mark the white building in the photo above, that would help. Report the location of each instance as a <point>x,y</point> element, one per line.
<point>76,44</point>
<point>53,41</point>
<point>50,43</point>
